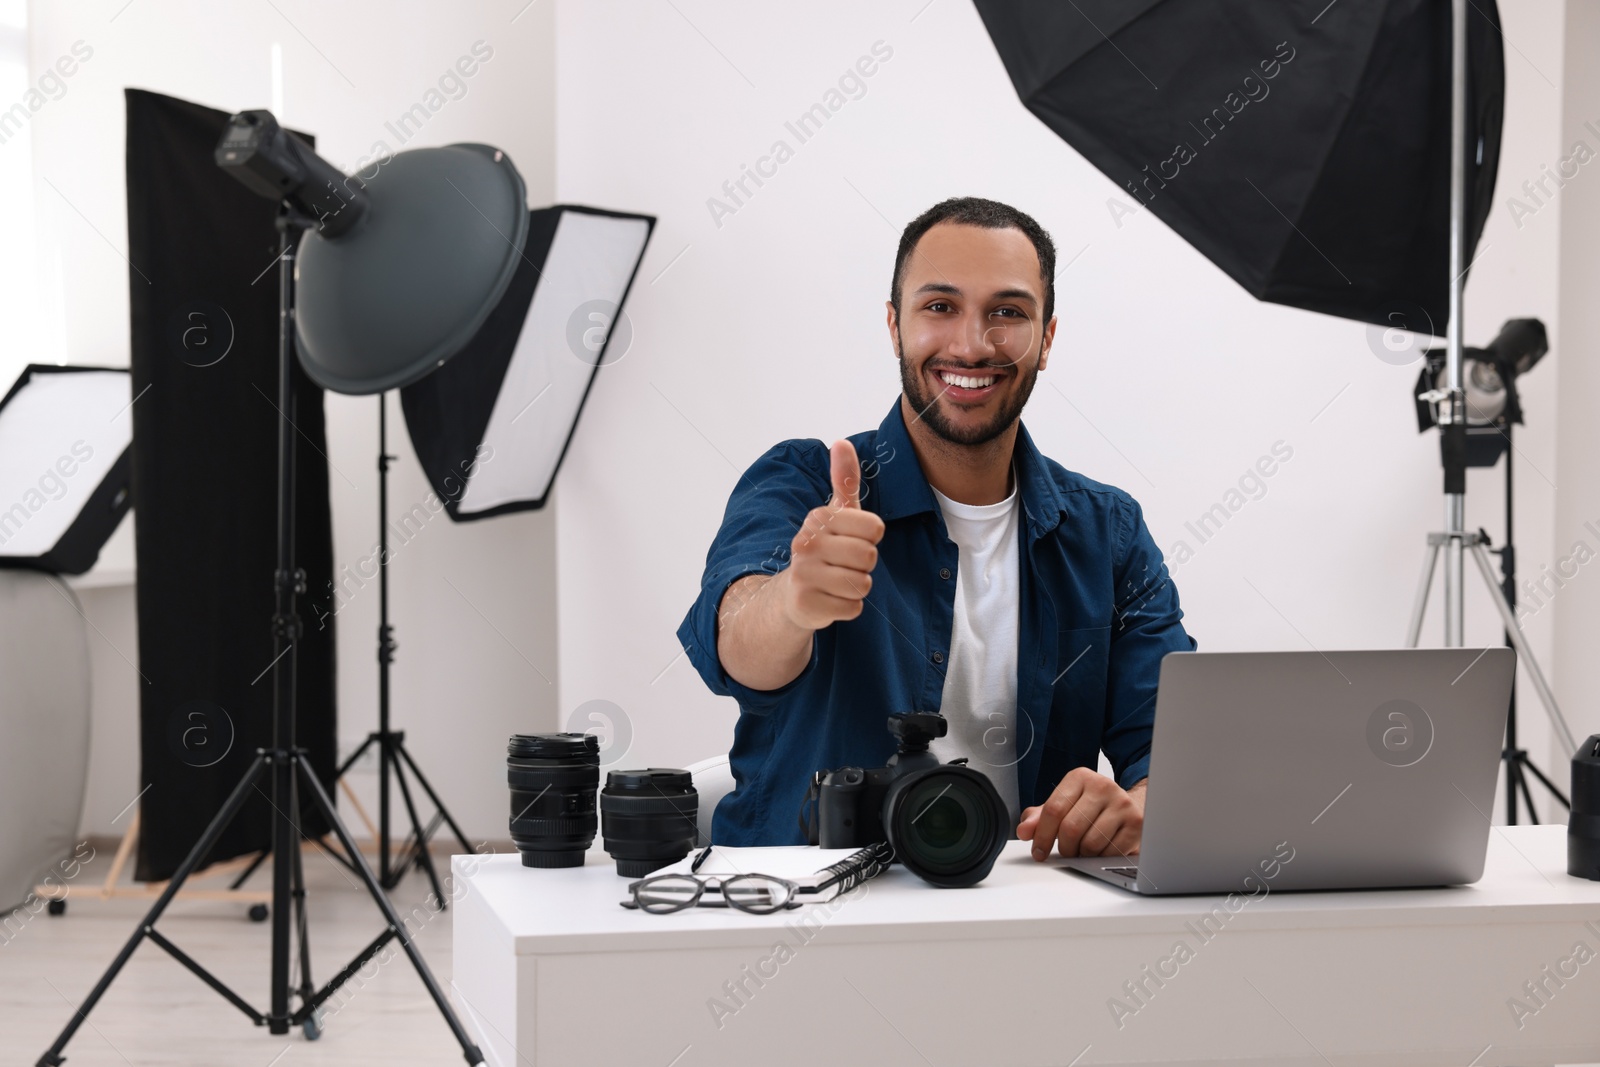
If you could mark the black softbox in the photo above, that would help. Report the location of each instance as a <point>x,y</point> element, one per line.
<point>204,304</point>
<point>1302,146</point>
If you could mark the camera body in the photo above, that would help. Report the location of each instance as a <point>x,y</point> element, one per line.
<point>850,799</point>
<point>945,821</point>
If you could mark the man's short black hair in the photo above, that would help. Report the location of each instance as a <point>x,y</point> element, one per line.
<point>990,214</point>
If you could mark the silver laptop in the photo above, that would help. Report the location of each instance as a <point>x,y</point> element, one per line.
<point>1308,770</point>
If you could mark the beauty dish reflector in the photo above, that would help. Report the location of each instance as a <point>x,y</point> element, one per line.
<point>396,295</point>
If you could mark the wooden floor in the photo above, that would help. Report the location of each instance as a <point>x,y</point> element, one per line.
<point>157,1012</point>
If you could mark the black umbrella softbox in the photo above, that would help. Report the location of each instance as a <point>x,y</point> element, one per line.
<point>1300,145</point>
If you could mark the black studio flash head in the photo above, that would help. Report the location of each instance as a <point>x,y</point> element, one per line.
<point>1519,345</point>
<point>1489,379</point>
<point>274,163</point>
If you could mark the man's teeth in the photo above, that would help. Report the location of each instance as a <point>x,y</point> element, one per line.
<point>966,383</point>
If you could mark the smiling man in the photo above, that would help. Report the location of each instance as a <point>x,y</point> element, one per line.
<point>941,563</point>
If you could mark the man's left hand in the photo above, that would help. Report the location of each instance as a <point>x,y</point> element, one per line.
<point>1087,815</point>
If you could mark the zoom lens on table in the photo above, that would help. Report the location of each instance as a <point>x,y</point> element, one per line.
<point>554,779</point>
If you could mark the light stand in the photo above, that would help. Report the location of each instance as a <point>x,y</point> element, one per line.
<point>1493,410</point>
<point>1518,764</point>
<point>391,743</point>
<point>283,759</point>
<point>1452,416</point>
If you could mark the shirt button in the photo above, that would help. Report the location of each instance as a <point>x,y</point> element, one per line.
<point>938,657</point>
<point>944,572</point>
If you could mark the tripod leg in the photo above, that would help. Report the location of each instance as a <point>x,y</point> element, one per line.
<point>438,804</point>
<point>1527,794</point>
<point>1508,756</point>
<point>320,795</point>
<point>1419,607</point>
<point>424,857</point>
<point>202,849</point>
<point>410,858</point>
<point>350,760</point>
<point>302,925</point>
<point>1515,787</point>
<point>285,845</point>
<point>1524,653</point>
<point>386,877</point>
<point>1548,784</point>
<point>255,864</point>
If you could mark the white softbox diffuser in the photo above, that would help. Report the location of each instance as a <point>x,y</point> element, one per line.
<point>490,426</point>
<point>65,434</point>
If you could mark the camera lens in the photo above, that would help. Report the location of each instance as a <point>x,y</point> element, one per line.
<point>1583,825</point>
<point>649,818</point>
<point>946,824</point>
<point>553,779</point>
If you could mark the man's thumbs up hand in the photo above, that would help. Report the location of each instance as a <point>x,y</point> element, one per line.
<point>832,557</point>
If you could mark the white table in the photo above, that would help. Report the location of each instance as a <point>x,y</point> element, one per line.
<point>1027,969</point>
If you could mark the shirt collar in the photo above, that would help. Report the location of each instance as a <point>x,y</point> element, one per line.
<point>902,489</point>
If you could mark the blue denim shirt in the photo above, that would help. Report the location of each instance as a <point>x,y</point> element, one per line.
<point>1097,612</point>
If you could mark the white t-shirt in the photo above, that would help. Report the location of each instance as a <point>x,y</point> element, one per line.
<point>980,681</point>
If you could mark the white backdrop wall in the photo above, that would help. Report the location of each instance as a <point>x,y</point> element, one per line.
<point>766,321</point>
<point>472,604</point>
<point>1575,607</point>
<point>1167,379</point>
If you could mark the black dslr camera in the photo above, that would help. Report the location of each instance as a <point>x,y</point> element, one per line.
<point>945,821</point>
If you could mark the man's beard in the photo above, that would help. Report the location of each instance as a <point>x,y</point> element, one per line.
<point>927,406</point>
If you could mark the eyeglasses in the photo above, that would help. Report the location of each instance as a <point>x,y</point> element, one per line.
<point>759,894</point>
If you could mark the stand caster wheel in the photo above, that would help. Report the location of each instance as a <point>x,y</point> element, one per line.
<point>258,913</point>
<point>312,1027</point>
<point>57,907</point>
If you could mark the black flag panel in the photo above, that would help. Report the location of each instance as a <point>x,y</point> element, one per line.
<point>204,303</point>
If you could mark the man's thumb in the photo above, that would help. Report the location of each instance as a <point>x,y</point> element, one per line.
<point>846,475</point>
